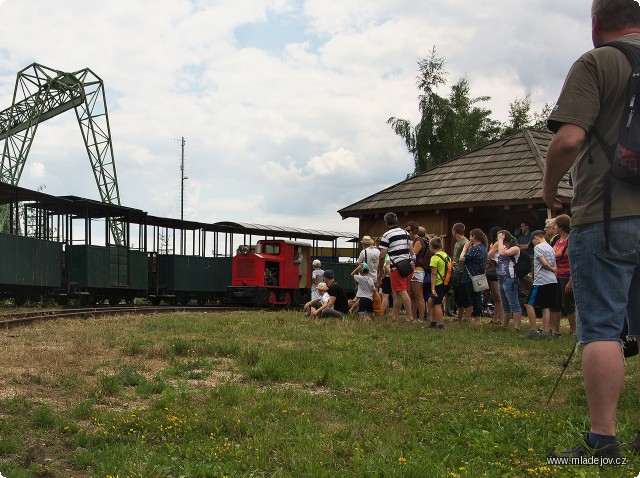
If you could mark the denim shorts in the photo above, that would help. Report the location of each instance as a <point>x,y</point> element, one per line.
<point>509,294</point>
<point>606,283</point>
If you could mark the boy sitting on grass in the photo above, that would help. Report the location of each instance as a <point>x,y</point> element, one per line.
<point>314,304</point>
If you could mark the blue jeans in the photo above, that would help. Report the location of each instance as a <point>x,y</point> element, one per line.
<point>509,294</point>
<point>606,283</point>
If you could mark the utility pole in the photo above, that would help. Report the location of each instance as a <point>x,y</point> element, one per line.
<point>183,247</point>
<point>182,178</point>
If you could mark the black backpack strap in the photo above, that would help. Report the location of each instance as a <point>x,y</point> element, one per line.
<point>633,55</point>
<point>631,52</point>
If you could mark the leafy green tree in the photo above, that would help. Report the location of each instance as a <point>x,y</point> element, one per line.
<point>520,116</point>
<point>540,118</point>
<point>449,126</point>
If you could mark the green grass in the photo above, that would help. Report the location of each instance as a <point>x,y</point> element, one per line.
<point>273,394</point>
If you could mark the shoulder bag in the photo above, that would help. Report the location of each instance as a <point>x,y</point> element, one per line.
<point>478,282</point>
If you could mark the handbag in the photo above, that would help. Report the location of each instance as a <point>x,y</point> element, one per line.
<point>404,267</point>
<point>478,282</point>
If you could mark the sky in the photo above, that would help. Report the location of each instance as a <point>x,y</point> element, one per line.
<point>282,103</point>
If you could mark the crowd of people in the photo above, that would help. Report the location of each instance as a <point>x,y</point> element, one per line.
<point>601,269</point>
<point>408,270</point>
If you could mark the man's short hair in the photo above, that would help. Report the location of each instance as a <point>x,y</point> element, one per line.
<point>390,219</point>
<point>616,14</point>
<point>458,228</point>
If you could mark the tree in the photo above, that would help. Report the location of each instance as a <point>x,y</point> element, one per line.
<point>448,126</point>
<point>520,116</point>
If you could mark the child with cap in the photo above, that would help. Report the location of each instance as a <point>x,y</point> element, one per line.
<point>316,278</point>
<point>314,304</point>
<point>366,286</point>
<point>544,293</point>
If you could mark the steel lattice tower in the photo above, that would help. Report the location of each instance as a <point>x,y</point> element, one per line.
<point>42,93</point>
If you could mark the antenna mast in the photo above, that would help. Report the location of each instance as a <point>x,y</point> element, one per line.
<point>182,178</point>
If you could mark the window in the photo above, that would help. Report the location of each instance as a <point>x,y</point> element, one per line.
<point>271,248</point>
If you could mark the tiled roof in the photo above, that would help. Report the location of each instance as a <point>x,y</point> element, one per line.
<point>506,171</point>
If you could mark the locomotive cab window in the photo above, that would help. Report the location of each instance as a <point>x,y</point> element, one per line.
<point>271,249</point>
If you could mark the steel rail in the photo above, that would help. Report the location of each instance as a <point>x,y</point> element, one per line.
<point>25,318</point>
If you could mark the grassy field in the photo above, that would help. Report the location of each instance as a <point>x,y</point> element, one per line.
<point>273,394</point>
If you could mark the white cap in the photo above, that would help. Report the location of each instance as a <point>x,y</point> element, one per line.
<point>315,262</point>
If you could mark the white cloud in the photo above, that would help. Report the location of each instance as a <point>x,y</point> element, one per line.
<point>36,170</point>
<point>268,123</point>
<point>339,162</point>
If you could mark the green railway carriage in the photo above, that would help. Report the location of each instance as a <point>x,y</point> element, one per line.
<point>342,275</point>
<point>180,278</point>
<point>31,268</point>
<point>99,273</point>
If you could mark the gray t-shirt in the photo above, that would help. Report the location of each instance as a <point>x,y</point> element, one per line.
<point>365,285</point>
<point>542,276</point>
<point>457,249</point>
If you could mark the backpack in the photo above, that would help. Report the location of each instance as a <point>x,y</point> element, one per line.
<point>448,270</point>
<point>624,155</point>
<point>522,267</point>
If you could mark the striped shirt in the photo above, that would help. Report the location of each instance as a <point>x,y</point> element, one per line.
<point>397,242</point>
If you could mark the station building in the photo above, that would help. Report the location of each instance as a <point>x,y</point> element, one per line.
<point>496,185</point>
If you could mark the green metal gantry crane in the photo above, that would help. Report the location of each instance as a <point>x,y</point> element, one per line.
<point>42,93</point>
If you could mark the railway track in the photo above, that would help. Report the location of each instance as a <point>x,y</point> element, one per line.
<point>25,318</point>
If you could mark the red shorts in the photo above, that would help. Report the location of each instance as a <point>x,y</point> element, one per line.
<point>399,283</point>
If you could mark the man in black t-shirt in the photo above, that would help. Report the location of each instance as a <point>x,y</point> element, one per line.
<point>337,305</point>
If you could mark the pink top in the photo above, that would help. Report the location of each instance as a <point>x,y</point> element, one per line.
<point>561,248</point>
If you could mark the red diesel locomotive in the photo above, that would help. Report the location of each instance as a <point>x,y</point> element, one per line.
<point>278,273</point>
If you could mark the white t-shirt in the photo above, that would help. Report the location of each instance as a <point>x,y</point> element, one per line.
<point>370,255</point>
<point>317,275</point>
<point>542,276</point>
<point>366,285</point>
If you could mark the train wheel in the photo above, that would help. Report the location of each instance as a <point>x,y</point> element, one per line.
<point>63,300</point>
<point>272,299</point>
<point>202,301</point>
<point>155,300</point>
<point>20,300</point>
<point>184,301</point>
<point>287,299</point>
<point>114,300</point>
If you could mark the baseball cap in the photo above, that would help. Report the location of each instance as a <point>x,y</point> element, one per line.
<point>328,274</point>
<point>315,262</point>
<point>535,233</point>
<point>365,267</point>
